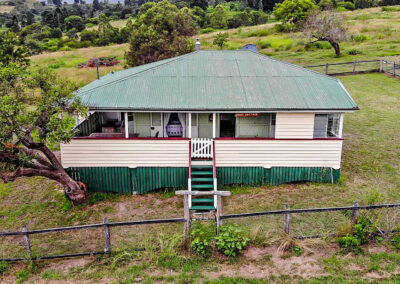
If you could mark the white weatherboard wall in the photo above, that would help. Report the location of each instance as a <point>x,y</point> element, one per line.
<point>294,125</point>
<point>125,153</point>
<point>278,153</point>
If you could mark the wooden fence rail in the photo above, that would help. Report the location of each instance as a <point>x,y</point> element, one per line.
<point>361,66</point>
<point>106,225</point>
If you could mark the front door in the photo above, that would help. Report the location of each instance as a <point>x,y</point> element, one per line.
<point>195,125</point>
<point>156,129</point>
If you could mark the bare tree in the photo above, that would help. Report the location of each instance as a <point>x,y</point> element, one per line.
<point>325,26</point>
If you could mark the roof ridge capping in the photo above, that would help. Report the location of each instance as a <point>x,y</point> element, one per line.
<point>168,60</point>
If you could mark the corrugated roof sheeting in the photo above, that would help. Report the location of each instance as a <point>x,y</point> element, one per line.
<point>217,80</point>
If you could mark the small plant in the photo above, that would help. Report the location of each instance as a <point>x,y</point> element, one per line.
<point>202,239</point>
<point>3,267</point>
<point>22,276</point>
<point>360,38</point>
<point>264,44</point>
<point>221,40</point>
<point>350,242</point>
<point>296,250</point>
<point>206,30</point>
<point>396,242</point>
<point>354,52</point>
<point>230,240</point>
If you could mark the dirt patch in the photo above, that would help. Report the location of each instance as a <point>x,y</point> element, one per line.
<point>65,265</point>
<point>264,262</point>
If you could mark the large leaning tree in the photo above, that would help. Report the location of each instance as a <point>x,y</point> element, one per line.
<point>325,26</point>
<point>36,111</point>
<point>161,31</point>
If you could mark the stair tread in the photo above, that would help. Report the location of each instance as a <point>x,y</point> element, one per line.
<point>202,207</point>
<point>202,166</point>
<point>202,200</point>
<point>202,173</point>
<point>202,186</point>
<point>202,179</point>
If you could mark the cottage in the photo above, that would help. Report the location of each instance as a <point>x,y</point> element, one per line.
<point>208,118</point>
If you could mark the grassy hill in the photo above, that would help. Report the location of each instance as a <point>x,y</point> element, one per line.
<point>370,173</point>
<point>374,34</point>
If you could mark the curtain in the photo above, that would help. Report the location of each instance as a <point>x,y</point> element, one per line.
<point>182,120</point>
<point>166,117</point>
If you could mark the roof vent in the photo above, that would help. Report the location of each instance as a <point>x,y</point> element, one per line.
<point>251,47</point>
<point>198,45</point>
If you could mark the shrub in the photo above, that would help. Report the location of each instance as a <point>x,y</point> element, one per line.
<point>354,52</point>
<point>202,239</point>
<point>284,28</point>
<point>230,241</point>
<point>389,9</point>
<point>207,30</point>
<point>362,4</point>
<point>3,267</point>
<point>296,250</point>
<point>318,45</point>
<point>264,44</point>
<point>350,242</point>
<point>221,39</point>
<point>258,33</point>
<point>360,38</point>
<point>347,5</point>
<point>395,243</point>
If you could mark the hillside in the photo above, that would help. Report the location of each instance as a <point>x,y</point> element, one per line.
<point>373,34</point>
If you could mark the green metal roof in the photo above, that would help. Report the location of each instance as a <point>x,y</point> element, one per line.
<point>217,80</point>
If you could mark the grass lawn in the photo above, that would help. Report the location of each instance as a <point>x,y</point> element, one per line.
<point>370,171</point>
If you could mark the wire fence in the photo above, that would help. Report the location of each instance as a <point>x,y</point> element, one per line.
<point>95,239</point>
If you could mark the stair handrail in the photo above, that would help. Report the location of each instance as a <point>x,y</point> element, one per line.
<point>214,174</point>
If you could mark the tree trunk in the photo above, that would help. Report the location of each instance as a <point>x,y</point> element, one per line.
<point>336,46</point>
<point>76,191</point>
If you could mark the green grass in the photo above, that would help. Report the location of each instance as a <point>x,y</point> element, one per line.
<point>370,167</point>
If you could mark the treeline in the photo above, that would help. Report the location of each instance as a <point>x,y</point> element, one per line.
<point>77,26</point>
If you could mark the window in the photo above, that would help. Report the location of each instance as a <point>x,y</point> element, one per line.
<point>194,119</point>
<point>156,119</point>
<point>272,126</point>
<point>327,125</point>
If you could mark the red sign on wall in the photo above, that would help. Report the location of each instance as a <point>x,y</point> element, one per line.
<point>246,114</point>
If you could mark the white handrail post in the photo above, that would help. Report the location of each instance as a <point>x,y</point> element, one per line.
<point>126,125</point>
<point>214,116</point>
<point>190,125</point>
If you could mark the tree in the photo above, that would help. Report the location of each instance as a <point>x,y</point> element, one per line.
<point>293,11</point>
<point>107,33</point>
<point>326,26</point>
<point>75,22</point>
<point>219,18</point>
<point>221,39</point>
<point>11,51</point>
<point>27,133</point>
<point>161,31</point>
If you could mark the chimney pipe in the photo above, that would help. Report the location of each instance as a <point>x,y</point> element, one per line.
<point>198,45</point>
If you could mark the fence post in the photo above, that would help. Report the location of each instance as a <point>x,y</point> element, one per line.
<point>394,68</point>
<point>219,212</point>
<point>327,68</point>
<point>27,241</point>
<point>186,216</point>
<point>354,216</point>
<point>107,235</point>
<point>354,66</point>
<point>381,65</point>
<point>287,219</point>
